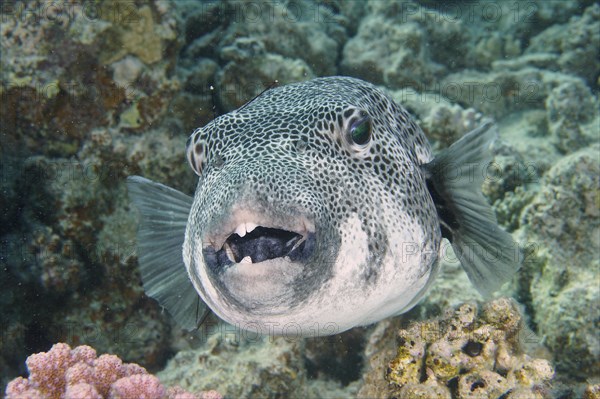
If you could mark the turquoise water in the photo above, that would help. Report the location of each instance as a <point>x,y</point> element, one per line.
<point>93,92</point>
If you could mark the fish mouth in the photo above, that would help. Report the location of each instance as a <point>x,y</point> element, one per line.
<point>256,241</point>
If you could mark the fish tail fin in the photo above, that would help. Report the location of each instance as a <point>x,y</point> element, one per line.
<point>163,218</point>
<point>488,254</point>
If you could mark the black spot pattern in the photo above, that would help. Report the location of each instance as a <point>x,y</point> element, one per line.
<point>253,156</point>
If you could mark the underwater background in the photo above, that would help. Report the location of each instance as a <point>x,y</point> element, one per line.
<point>95,91</point>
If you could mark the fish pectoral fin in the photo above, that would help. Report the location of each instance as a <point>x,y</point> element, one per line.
<point>163,218</point>
<point>488,254</point>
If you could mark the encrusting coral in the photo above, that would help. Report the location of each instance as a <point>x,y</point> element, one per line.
<point>67,373</point>
<point>463,355</point>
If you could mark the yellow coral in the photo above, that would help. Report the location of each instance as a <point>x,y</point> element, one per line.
<point>592,392</point>
<point>131,117</point>
<point>138,34</point>
<point>404,369</point>
<point>143,40</point>
<point>480,355</point>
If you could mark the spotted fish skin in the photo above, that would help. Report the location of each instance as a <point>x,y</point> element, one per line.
<point>314,211</point>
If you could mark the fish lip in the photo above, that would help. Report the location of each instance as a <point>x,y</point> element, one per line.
<point>216,240</point>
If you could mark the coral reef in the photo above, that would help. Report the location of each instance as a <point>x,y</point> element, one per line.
<point>95,91</point>
<point>78,373</point>
<point>416,44</point>
<point>238,363</point>
<point>572,45</point>
<point>562,224</point>
<point>251,54</point>
<point>391,47</point>
<point>499,93</point>
<point>240,366</point>
<point>460,355</point>
<point>569,106</point>
<point>243,78</point>
<point>444,122</point>
<point>71,117</point>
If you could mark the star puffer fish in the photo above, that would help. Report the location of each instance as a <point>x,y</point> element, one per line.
<point>319,207</point>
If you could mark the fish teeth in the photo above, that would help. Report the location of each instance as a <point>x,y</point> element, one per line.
<point>241,230</point>
<point>244,228</point>
<point>247,260</point>
<point>229,252</point>
<point>298,243</point>
<point>250,227</point>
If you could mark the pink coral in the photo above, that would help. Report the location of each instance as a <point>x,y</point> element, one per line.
<point>137,386</point>
<point>107,369</point>
<point>133,369</point>
<point>20,388</point>
<point>65,373</point>
<point>212,394</point>
<point>84,354</point>
<point>82,390</point>
<point>46,370</point>
<point>80,373</point>
<point>180,393</point>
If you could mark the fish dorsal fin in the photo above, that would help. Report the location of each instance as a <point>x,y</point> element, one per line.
<point>266,89</point>
<point>164,214</point>
<point>488,254</point>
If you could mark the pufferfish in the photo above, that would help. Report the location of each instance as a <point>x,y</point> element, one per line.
<point>319,207</point>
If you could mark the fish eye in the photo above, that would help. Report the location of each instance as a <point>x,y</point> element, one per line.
<point>360,130</point>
